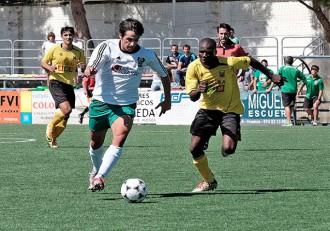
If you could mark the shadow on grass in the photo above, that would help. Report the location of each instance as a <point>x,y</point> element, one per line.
<point>216,192</point>
<point>236,192</point>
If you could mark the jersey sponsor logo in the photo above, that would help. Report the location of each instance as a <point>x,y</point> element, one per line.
<point>123,70</point>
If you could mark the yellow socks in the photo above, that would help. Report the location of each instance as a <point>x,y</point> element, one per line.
<point>202,166</point>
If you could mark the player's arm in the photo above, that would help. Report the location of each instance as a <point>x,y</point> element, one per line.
<point>196,94</point>
<point>300,87</point>
<point>98,58</point>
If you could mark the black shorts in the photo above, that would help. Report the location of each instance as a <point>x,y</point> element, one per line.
<point>89,93</point>
<point>207,122</point>
<point>288,99</point>
<point>62,92</point>
<point>308,103</point>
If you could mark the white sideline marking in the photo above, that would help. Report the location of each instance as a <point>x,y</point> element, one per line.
<point>4,140</point>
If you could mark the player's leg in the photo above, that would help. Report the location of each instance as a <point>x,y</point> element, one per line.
<point>308,108</point>
<point>121,121</point>
<point>287,103</point>
<point>202,127</point>
<point>316,105</point>
<point>231,133</point>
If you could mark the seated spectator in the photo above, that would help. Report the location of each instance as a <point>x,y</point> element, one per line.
<point>172,62</point>
<point>184,60</point>
<point>261,82</point>
<point>156,84</point>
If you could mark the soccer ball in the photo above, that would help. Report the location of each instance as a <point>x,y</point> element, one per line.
<point>134,190</point>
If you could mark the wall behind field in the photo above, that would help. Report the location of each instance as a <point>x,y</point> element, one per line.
<point>252,18</point>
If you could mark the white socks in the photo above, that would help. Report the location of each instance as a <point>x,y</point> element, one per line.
<point>96,157</point>
<point>110,158</point>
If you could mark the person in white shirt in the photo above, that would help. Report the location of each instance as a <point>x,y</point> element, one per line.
<point>118,67</point>
<point>45,47</point>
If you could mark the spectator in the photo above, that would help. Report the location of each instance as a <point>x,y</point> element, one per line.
<point>225,46</point>
<point>172,63</point>
<point>314,92</point>
<point>62,61</point>
<point>156,84</point>
<point>118,67</point>
<point>221,106</point>
<point>45,47</point>
<point>88,87</point>
<point>185,59</point>
<point>232,36</point>
<point>76,42</point>
<point>262,83</point>
<point>249,79</point>
<point>289,89</point>
<point>49,43</point>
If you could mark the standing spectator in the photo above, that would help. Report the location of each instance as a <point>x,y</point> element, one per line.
<point>262,83</point>
<point>45,47</point>
<point>62,61</point>
<point>249,79</point>
<point>49,43</point>
<point>76,42</point>
<point>289,89</point>
<point>225,46</point>
<point>221,106</point>
<point>232,36</point>
<point>172,63</point>
<point>118,67</point>
<point>184,60</point>
<point>88,87</point>
<point>314,92</point>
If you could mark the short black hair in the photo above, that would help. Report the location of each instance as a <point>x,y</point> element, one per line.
<point>225,26</point>
<point>288,60</point>
<point>67,28</point>
<point>316,67</point>
<point>131,24</point>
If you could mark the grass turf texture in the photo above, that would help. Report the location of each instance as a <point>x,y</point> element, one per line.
<point>278,179</point>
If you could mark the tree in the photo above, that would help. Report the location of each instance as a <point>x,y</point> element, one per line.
<point>316,7</point>
<point>81,24</point>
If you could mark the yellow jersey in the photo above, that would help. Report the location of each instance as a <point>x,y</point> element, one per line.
<point>222,89</point>
<point>65,62</point>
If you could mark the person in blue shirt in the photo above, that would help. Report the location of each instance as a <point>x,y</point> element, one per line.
<point>184,60</point>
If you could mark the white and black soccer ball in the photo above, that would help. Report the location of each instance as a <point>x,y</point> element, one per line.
<point>134,190</point>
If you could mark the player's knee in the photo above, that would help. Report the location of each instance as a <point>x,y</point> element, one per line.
<point>196,151</point>
<point>228,150</point>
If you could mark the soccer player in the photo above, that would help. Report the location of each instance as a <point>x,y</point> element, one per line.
<point>88,86</point>
<point>118,68</point>
<point>215,78</point>
<point>62,61</point>
<point>289,89</point>
<point>261,82</point>
<point>314,92</point>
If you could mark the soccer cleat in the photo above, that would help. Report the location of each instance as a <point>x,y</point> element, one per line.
<point>80,118</point>
<point>97,184</point>
<point>49,133</point>
<point>53,144</point>
<point>92,176</point>
<point>204,186</point>
<point>314,123</point>
<point>287,124</point>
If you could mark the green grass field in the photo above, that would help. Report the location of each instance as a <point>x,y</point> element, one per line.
<point>278,179</point>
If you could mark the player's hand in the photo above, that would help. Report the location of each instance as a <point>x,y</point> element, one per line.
<point>52,68</point>
<point>90,71</point>
<point>278,80</point>
<point>202,87</point>
<point>165,106</point>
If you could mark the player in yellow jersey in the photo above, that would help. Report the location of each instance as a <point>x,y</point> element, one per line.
<point>215,79</point>
<point>62,61</point>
